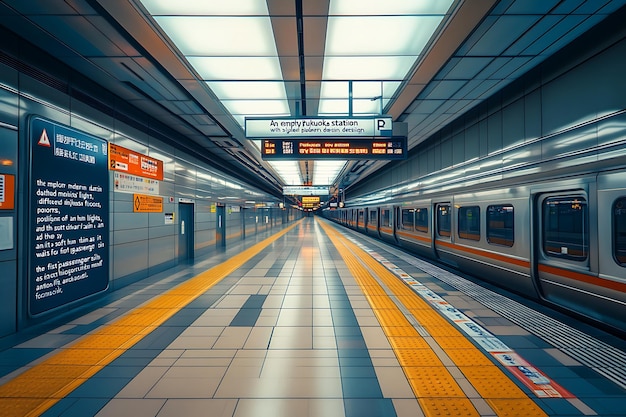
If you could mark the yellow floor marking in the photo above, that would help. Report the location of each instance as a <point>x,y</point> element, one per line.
<point>496,388</point>
<point>37,389</point>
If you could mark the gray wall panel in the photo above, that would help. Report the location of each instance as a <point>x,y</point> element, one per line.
<point>130,258</point>
<point>494,133</point>
<point>161,250</point>
<point>458,148</point>
<point>8,297</point>
<point>123,236</point>
<point>129,221</point>
<point>513,124</point>
<point>532,115</point>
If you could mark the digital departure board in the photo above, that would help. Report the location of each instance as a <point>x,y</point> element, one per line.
<point>294,149</point>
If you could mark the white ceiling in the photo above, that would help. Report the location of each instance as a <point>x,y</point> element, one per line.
<point>201,66</point>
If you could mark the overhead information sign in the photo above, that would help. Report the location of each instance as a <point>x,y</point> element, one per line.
<point>293,149</point>
<point>322,127</point>
<point>305,190</point>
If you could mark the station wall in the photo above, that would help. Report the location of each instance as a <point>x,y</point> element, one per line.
<point>573,102</point>
<point>140,244</point>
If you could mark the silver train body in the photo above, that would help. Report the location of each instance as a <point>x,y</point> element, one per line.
<point>553,230</point>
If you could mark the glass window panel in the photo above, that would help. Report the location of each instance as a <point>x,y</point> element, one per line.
<point>443,220</point>
<point>421,220</point>
<point>619,230</point>
<point>469,222</point>
<point>407,219</point>
<point>500,225</point>
<point>565,228</point>
<point>373,218</point>
<point>385,218</point>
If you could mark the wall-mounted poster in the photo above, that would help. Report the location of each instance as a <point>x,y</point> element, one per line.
<point>69,214</point>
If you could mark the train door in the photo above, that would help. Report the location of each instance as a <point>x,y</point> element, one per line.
<point>442,229</point>
<point>561,251</point>
<point>360,220</point>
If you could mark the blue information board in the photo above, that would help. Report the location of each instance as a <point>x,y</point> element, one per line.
<point>69,215</point>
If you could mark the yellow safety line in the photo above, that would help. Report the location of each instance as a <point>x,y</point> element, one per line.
<point>435,388</point>
<point>37,389</point>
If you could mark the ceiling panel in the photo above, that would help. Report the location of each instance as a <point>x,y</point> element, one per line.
<point>479,52</point>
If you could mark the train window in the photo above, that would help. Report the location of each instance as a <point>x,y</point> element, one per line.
<point>500,221</point>
<point>385,217</point>
<point>619,230</point>
<point>421,220</point>
<point>373,217</point>
<point>407,219</point>
<point>469,222</point>
<point>443,220</point>
<point>565,228</point>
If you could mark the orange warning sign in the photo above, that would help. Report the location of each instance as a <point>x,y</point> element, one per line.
<point>135,163</point>
<point>7,192</point>
<point>147,204</point>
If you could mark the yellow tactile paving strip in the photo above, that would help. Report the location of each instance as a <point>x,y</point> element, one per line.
<point>40,387</point>
<point>436,389</point>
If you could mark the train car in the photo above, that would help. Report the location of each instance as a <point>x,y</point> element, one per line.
<point>560,240</point>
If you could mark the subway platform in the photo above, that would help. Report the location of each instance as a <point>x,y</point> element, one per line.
<point>314,320</point>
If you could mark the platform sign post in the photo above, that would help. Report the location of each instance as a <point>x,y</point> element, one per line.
<point>69,215</point>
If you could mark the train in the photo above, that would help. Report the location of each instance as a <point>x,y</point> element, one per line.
<point>557,236</point>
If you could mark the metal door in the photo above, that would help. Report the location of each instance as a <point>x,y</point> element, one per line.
<point>220,227</point>
<point>185,231</point>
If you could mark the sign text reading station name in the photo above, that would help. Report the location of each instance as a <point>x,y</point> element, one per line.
<point>261,128</point>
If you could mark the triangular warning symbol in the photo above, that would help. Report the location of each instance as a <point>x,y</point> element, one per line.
<point>43,139</point>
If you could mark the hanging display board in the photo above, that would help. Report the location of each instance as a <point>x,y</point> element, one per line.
<point>294,149</point>
<point>69,214</point>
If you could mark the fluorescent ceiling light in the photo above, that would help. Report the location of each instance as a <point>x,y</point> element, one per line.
<point>390,7</point>
<point>236,68</point>
<point>367,67</point>
<point>289,171</point>
<point>247,90</point>
<point>220,36</point>
<point>261,107</point>
<point>379,35</point>
<point>204,7</point>
<point>326,171</point>
<point>231,46</point>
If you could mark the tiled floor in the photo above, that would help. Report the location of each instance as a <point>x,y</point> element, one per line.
<point>290,333</point>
